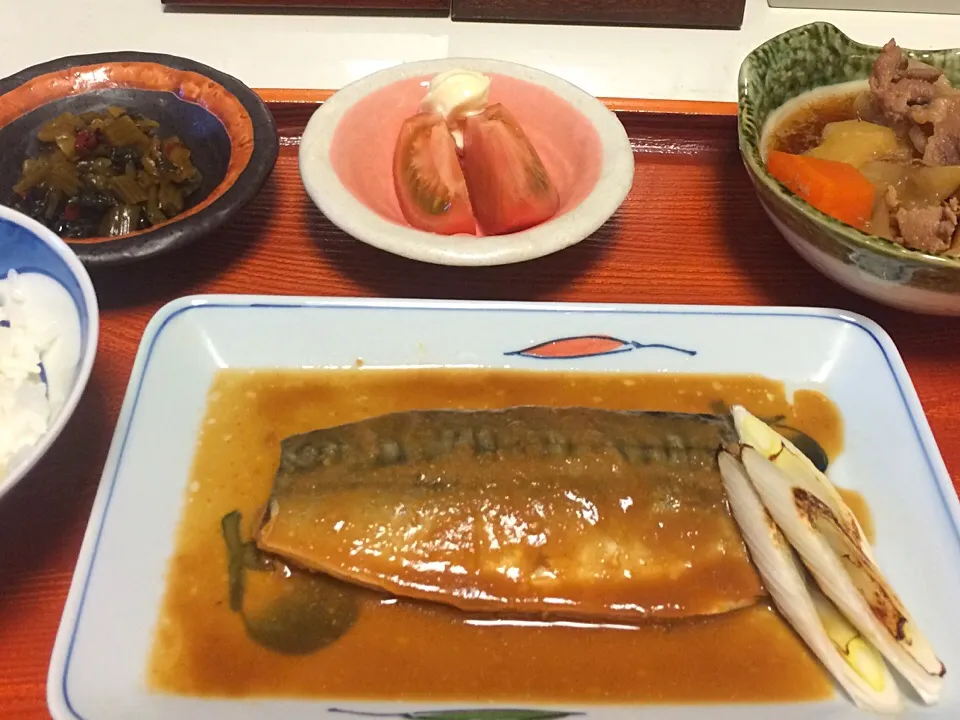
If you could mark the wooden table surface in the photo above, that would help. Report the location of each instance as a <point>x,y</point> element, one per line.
<point>691,232</point>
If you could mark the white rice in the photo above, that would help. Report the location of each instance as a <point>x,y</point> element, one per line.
<point>26,336</point>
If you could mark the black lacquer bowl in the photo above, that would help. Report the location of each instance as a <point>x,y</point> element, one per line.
<point>229,130</point>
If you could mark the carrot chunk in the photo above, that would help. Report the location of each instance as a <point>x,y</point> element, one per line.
<point>835,188</point>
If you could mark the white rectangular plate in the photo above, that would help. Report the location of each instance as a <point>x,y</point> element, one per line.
<point>97,670</point>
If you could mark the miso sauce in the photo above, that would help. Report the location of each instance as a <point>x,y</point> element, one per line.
<point>416,651</point>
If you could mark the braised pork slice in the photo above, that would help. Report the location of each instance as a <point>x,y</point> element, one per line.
<point>899,84</point>
<point>943,147</point>
<point>932,228</point>
<point>918,99</point>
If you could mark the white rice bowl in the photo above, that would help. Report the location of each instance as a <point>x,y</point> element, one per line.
<point>39,352</point>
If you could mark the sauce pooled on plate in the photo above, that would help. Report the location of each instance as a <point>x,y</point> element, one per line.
<point>402,649</point>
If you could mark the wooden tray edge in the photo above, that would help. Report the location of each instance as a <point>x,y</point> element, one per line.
<point>617,104</point>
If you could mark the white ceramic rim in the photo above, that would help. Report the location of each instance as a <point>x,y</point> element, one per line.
<point>353,217</point>
<point>88,351</point>
<point>58,702</point>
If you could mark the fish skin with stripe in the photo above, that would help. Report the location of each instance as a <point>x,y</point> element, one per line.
<point>577,512</point>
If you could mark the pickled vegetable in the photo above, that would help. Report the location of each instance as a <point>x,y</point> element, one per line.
<point>104,174</point>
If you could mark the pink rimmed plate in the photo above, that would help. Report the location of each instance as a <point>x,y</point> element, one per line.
<point>346,160</point>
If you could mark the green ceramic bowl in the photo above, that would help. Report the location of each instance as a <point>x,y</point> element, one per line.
<point>801,60</point>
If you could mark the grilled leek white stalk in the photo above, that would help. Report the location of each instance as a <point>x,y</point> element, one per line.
<point>784,454</point>
<point>813,517</point>
<point>845,574</point>
<point>852,661</point>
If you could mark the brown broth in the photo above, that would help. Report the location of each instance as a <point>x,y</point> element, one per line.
<point>412,651</point>
<point>802,129</point>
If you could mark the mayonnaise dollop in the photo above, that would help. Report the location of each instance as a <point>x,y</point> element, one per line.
<point>457,94</point>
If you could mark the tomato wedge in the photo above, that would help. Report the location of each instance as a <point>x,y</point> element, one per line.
<point>428,178</point>
<point>508,183</point>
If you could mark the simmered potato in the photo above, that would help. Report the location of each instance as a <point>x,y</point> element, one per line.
<point>916,185</point>
<point>856,142</point>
